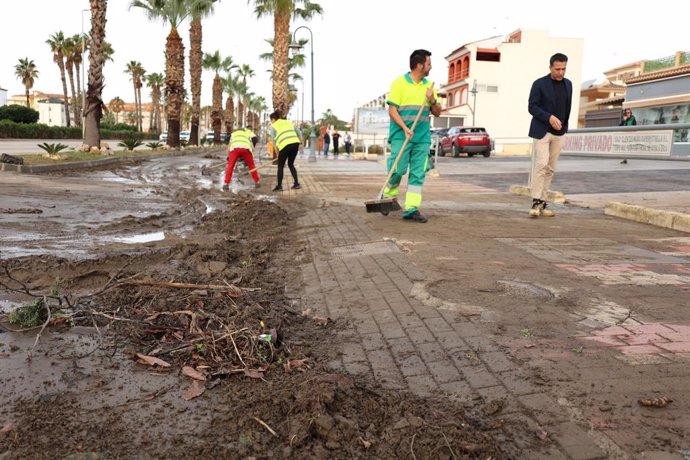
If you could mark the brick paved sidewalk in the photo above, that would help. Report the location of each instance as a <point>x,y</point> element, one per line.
<point>405,344</point>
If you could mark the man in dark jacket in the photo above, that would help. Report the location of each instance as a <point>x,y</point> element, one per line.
<point>550,100</point>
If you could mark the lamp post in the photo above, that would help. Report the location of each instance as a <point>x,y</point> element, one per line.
<point>474,98</point>
<point>83,77</point>
<point>312,135</point>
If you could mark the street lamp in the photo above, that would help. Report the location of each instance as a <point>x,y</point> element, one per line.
<point>474,98</point>
<point>295,46</point>
<point>83,77</point>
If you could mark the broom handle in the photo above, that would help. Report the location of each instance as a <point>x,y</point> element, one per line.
<point>402,149</point>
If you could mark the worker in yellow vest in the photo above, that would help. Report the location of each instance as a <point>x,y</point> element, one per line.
<point>287,142</point>
<point>241,145</point>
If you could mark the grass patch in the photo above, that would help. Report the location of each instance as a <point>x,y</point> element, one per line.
<point>30,315</point>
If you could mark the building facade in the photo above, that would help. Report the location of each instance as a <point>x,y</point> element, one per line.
<point>3,97</point>
<point>661,93</point>
<point>51,112</point>
<point>489,82</point>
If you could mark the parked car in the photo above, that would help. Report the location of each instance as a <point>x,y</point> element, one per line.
<point>224,138</point>
<point>184,136</point>
<point>436,135</point>
<point>466,139</point>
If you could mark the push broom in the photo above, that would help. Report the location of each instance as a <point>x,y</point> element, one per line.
<point>386,205</point>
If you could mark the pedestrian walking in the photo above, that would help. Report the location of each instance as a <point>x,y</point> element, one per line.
<point>241,146</point>
<point>326,143</point>
<point>287,140</point>
<point>347,138</point>
<point>549,104</point>
<point>409,94</point>
<point>336,141</point>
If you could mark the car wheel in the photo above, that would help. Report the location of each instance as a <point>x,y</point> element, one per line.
<point>441,153</point>
<point>487,154</point>
<point>456,151</point>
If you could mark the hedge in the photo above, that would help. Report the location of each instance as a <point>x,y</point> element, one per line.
<point>10,129</point>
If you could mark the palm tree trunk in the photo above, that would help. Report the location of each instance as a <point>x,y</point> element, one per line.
<point>61,65</point>
<point>141,111</point>
<point>174,84</point>
<point>77,68</point>
<point>70,75</point>
<point>93,111</point>
<point>195,68</point>
<point>229,118</point>
<point>27,97</point>
<point>217,111</point>
<point>281,23</point>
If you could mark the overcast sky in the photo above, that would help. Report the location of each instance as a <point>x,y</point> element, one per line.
<point>360,46</point>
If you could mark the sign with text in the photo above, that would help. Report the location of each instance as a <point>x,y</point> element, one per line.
<point>620,143</point>
<point>372,121</point>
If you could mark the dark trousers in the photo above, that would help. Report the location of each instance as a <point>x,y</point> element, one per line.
<point>289,153</point>
<point>335,148</point>
<point>348,147</point>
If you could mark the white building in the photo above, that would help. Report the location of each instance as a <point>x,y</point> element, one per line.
<point>51,112</point>
<point>3,97</point>
<point>504,68</point>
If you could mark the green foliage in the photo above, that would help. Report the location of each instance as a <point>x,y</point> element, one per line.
<point>130,143</point>
<point>53,148</point>
<point>330,119</point>
<point>10,129</point>
<point>30,315</point>
<point>154,145</point>
<point>18,114</point>
<point>118,126</point>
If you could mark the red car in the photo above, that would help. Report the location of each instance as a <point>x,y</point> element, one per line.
<point>466,139</point>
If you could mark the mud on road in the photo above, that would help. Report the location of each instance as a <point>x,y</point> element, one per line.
<point>177,330</point>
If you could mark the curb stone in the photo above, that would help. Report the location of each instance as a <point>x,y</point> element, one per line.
<point>667,219</point>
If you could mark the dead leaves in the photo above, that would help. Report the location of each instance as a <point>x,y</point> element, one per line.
<point>193,373</point>
<point>296,365</point>
<point>655,402</point>
<point>151,360</point>
<point>320,320</point>
<point>195,390</point>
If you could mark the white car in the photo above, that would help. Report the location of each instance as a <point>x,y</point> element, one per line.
<point>163,137</point>
<point>184,136</point>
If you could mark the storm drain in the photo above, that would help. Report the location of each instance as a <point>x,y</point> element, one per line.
<point>365,249</point>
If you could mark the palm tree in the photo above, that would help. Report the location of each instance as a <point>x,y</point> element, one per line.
<point>69,51</point>
<point>244,72</point>
<point>172,12</point>
<point>282,12</point>
<point>155,81</point>
<point>57,44</point>
<point>230,85</point>
<point>93,110</point>
<point>116,105</point>
<point>80,43</point>
<point>200,9</point>
<point>27,73</point>
<point>216,63</point>
<point>296,60</point>
<point>137,72</point>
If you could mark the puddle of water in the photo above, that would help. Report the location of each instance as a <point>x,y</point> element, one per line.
<point>142,238</point>
<point>15,251</point>
<point>270,198</point>
<point>7,306</point>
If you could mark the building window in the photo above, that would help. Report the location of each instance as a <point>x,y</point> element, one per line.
<point>451,73</point>
<point>451,99</point>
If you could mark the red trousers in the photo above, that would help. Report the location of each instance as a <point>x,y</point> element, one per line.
<point>248,158</point>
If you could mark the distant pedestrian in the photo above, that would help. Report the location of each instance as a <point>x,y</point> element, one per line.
<point>549,104</point>
<point>287,140</point>
<point>336,141</point>
<point>348,142</point>
<point>628,118</point>
<point>242,143</point>
<point>326,143</point>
